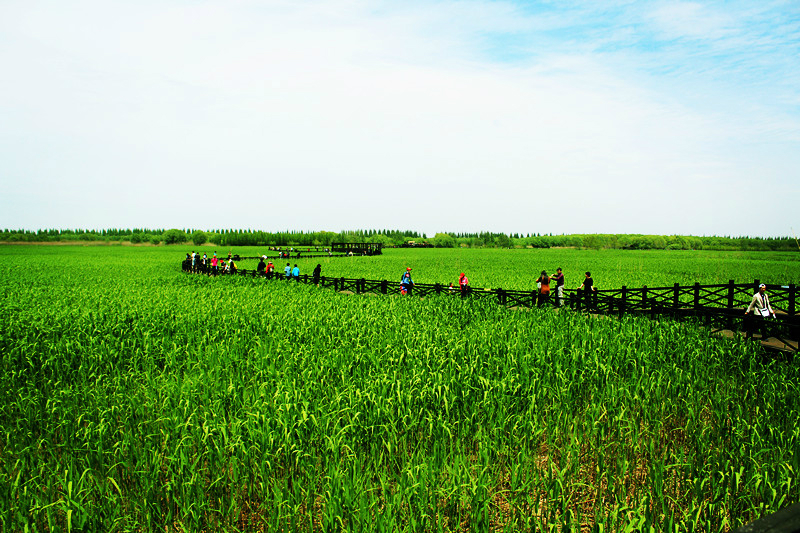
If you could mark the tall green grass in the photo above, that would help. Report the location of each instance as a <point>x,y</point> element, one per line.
<point>134,397</point>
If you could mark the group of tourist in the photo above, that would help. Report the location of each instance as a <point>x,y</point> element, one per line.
<point>213,266</point>
<point>290,272</point>
<point>543,283</point>
<point>543,288</point>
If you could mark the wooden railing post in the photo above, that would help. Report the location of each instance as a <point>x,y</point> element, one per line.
<point>792,299</point>
<point>696,295</point>
<point>624,303</point>
<point>438,288</point>
<point>676,296</point>
<point>644,297</point>
<point>384,287</point>
<point>731,289</point>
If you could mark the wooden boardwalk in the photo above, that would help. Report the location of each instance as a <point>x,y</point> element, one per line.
<point>718,307</point>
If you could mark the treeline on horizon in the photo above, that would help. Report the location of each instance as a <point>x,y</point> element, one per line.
<point>239,237</point>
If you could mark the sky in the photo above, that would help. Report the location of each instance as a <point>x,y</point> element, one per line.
<point>654,117</point>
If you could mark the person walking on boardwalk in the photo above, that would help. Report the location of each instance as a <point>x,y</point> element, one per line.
<point>763,309</point>
<point>214,265</point>
<point>760,303</point>
<point>262,266</point>
<point>316,274</point>
<point>543,284</point>
<point>296,272</point>
<point>406,283</point>
<point>559,279</point>
<point>588,288</point>
<point>463,284</point>
<point>287,271</point>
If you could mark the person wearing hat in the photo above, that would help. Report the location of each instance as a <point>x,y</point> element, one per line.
<point>760,303</point>
<point>406,283</point>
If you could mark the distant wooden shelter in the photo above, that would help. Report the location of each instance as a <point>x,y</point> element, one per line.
<point>358,248</point>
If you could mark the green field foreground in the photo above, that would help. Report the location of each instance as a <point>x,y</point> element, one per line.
<point>138,398</point>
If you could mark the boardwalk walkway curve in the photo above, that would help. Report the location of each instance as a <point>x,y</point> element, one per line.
<point>719,307</point>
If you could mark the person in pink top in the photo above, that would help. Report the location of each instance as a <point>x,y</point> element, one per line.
<point>463,283</point>
<point>214,263</point>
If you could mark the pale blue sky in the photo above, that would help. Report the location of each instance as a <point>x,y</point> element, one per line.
<point>576,117</point>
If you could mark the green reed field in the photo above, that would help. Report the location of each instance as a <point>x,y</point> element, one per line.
<point>518,269</point>
<point>134,397</point>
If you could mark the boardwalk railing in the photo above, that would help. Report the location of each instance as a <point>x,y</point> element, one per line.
<point>717,306</point>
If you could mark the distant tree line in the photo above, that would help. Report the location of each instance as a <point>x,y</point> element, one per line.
<point>240,237</point>
<point>221,237</point>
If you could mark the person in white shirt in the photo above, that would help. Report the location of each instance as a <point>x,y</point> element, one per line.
<point>760,303</point>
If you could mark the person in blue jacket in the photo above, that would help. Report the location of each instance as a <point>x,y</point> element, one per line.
<point>296,273</point>
<point>406,283</point>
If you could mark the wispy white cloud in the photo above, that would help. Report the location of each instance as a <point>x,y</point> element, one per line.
<point>691,20</point>
<point>333,114</point>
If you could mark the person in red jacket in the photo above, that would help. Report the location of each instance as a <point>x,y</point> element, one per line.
<point>463,283</point>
